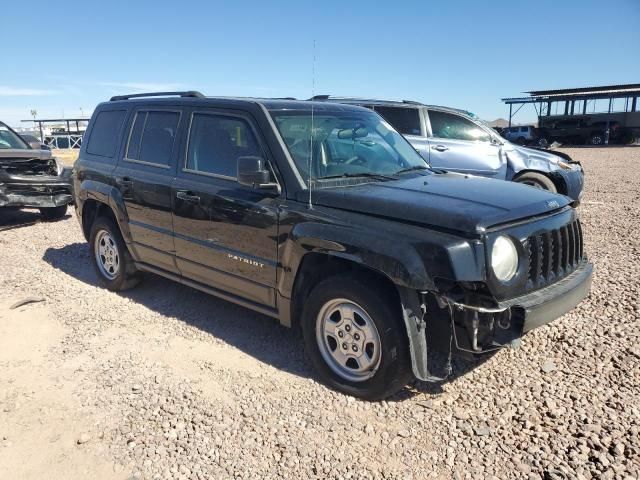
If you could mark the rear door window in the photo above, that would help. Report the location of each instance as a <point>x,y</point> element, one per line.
<point>404,120</point>
<point>105,133</point>
<point>448,125</point>
<point>216,142</point>
<point>152,137</point>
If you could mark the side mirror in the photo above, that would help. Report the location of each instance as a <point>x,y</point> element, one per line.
<point>253,173</point>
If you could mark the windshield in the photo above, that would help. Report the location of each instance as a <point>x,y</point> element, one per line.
<point>345,144</point>
<point>8,139</point>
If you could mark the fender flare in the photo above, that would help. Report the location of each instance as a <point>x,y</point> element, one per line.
<point>107,195</point>
<point>397,261</point>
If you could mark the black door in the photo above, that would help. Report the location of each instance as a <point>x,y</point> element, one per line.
<point>144,178</point>
<point>225,233</point>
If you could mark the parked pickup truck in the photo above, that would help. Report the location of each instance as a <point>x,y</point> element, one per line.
<point>32,178</point>
<point>323,216</point>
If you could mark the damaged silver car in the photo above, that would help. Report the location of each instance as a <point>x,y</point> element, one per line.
<point>32,178</point>
<point>458,141</point>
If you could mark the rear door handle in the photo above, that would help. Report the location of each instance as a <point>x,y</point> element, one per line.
<point>187,196</point>
<point>440,148</point>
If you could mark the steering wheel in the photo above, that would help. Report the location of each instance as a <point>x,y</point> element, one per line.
<point>357,160</point>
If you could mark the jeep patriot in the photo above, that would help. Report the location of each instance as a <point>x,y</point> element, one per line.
<point>323,216</point>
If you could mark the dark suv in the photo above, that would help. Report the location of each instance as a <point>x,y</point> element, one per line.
<point>323,216</point>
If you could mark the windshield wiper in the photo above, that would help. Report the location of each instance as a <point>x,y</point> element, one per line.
<point>411,169</point>
<point>380,176</point>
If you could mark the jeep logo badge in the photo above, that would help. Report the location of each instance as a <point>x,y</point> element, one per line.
<point>553,204</point>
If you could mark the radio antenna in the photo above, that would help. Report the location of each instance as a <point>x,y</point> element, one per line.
<point>313,94</point>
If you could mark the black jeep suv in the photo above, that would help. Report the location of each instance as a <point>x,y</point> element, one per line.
<point>323,216</point>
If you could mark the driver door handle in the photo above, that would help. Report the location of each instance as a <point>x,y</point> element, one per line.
<point>187,196</point>
<point>125,182</point>
<point>440,148</point>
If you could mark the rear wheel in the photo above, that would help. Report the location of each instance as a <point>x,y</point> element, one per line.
<point>537,180</point>
<point>355,338</point>
<point>543,142</point>
<point>521,141</point>
<point>111,259</point>
<point>53,213</point>
<point>597,139</point>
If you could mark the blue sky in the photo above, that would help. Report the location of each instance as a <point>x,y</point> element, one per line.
<point>466,54</point>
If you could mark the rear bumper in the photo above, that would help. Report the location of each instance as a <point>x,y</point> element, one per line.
<point>36,191</point>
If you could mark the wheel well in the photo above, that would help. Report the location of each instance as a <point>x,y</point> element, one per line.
<point>91,210</point>
<point>557,180</point>
<point>316,267</point>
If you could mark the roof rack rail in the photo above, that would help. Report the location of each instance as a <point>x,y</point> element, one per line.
<point>320,97</point>
<point>412,102</point>
<point>190,93</point>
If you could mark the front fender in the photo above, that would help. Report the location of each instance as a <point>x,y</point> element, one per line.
<point>400,262</point>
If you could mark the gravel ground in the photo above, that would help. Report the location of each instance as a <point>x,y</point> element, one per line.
<point>166,382</point>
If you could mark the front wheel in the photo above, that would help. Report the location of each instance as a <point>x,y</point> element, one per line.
<point>597,139</point>
<point>537,180</point>
<point>111,259</point>
<point>355,338</point>
<point>53,213</point>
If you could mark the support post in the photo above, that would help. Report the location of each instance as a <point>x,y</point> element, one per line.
<point>510,110</point>
<point>606,132</point>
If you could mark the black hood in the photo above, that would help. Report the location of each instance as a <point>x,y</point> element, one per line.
<point>449,201</point>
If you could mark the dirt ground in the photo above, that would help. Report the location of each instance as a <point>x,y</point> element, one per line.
<point>66,156</point>
<point>165,382</point>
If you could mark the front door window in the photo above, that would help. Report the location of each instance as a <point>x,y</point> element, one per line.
<point>454,127</point>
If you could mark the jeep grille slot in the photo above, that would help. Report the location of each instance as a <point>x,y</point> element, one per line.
<point>553,254</point>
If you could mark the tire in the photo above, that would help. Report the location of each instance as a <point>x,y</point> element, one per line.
<point>53,213</point>
<point>521,141</point>
<point>537,180</point>
<point>383,365</point>
<point>543,142</point>
<point>597,139</point>
<point>110,257</point>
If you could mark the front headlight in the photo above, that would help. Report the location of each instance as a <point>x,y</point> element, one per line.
<point>504,259</point>
<point>564,165</point>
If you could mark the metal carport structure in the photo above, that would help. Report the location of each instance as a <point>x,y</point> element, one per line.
<point>575,101</point>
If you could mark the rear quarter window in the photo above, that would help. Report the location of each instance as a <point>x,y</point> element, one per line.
<point>404,120</point>
<point>105,133</point>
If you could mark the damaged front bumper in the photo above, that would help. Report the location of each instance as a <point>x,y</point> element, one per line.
<point>573,180</point>
<point>479,329</point>
<point>36,191</point>
<point>440,326</point>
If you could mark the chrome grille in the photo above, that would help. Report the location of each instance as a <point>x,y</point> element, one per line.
<point>553,254</point>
